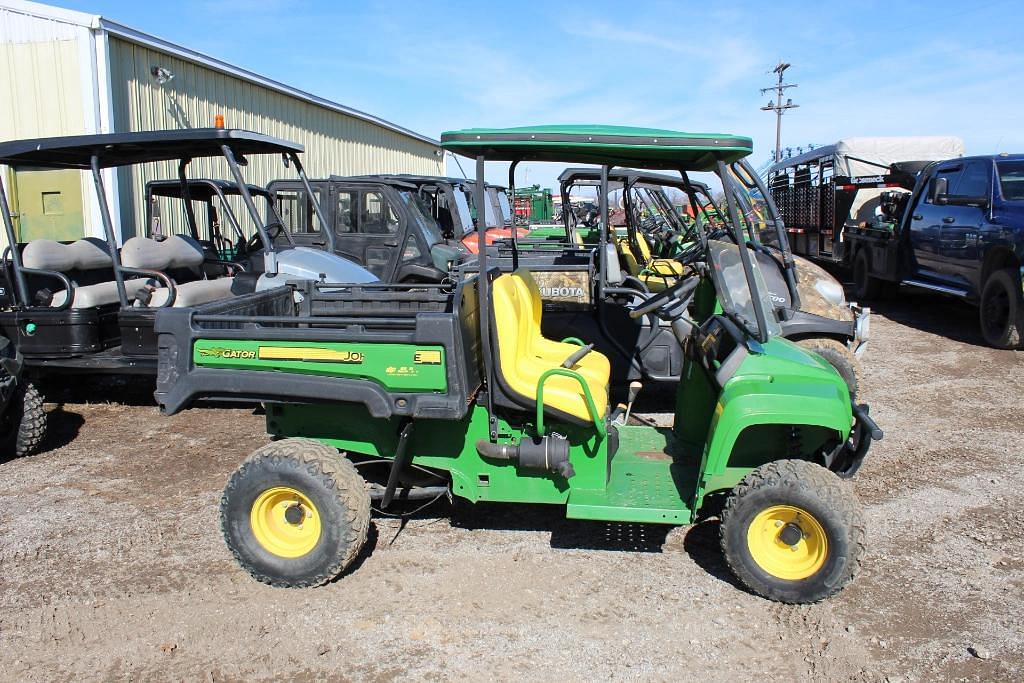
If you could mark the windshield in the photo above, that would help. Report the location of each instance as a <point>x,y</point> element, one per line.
<point>506,208</point>
<point>425,222</point>
<point>734,292</point>
<point>492,220</point>
<point>1011,180</point>
<point>462,206</point>
<point>755,214</point>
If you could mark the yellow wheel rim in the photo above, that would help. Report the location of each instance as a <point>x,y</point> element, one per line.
<point>787,542</point>
<point>285,522</point>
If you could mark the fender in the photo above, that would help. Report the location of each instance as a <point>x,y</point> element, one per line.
<point>754,398</point>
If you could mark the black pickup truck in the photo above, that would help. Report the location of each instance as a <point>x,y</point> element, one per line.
<point>959,231</point>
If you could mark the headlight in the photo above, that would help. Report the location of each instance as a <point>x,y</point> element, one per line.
<point>831,291</point>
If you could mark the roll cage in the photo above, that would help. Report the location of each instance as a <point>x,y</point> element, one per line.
<point>93,153</point>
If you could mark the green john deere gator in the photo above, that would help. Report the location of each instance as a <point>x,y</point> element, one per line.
<point>388,393</point>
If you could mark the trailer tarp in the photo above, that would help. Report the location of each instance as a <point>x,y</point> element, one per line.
<point>851,155</point>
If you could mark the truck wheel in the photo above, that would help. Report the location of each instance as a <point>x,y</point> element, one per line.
<point>23,424</point>
<point>865,286</point>
<point>1002,310</point>
<point>295,514</point>
<point>841,358</point>
<point>792,531</point>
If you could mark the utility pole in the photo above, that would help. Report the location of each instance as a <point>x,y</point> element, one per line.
<point>777,106</point>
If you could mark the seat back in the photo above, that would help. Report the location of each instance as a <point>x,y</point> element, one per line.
<point>522,355</point>
<point>175,252</point>
<point>633,264</point>
<point>88,253</point>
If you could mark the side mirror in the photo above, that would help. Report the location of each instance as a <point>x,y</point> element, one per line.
<point>940,191</point>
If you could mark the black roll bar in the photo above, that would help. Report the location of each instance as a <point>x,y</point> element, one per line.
<point>12,244</point>
<point>741,244</point>
<point>484,292</point>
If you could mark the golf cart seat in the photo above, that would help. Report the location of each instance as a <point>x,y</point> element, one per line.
<point>523,355</point>
<point>178,254</point>
<point>656,273</point>
<point>81,260</point>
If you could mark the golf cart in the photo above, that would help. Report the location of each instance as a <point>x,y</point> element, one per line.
<point>457,392</point>
<point>89,305</point>
<point>653,242</point>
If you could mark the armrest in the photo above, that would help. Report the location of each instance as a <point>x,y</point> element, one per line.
<point>172,293</point>
<point>577,356</point>
<point>65,280</point>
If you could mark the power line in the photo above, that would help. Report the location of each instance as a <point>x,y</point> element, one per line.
<point>776,105</point>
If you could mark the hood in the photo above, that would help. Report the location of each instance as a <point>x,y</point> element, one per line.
<point>304,263</point>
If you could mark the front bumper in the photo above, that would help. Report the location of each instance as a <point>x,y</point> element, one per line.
<point>847,458</point>
<point>862,329</point>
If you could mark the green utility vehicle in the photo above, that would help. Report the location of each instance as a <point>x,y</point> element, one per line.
<point>390,392</point>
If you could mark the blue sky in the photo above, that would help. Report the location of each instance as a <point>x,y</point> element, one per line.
<point>863,68</point>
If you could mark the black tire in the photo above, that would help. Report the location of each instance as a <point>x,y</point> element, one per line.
<point>818,496</point>
<point>23,424</point>
<point>339,501</point>
<point>840,357</point>
<point>865,287</point>
<point>1001,310</point>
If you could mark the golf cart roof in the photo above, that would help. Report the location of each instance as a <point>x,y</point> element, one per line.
<point>631,175</point>
<point>200,189</point>
<point>591,144</point>
<point>123,149</point>
<point>411,178</point>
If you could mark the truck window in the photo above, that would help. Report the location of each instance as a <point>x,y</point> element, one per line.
<point>344,217</point>
<point>379,217</point>
<point>950,173</point>
<point>1011,179</point>
<point>297,211</point>
<point>973,181</point>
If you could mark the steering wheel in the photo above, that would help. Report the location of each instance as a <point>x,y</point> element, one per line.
<point>679,293</point>
<point>274,230</point>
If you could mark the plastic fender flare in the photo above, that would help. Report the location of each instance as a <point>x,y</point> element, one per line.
<point>747,410</point>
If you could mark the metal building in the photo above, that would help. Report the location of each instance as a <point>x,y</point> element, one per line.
<point>69,73</point>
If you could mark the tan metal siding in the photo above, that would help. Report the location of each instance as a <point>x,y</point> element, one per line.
<point>335,143</point>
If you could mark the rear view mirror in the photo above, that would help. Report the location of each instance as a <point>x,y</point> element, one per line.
<point>940,191</point>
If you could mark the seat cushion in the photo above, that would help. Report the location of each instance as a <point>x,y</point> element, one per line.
<point>99,294</point>
<point>194,293</point>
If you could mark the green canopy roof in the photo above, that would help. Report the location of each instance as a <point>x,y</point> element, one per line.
<point>591,144</point>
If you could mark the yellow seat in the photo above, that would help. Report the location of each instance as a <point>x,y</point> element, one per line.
<point>523,354</point>
<point>657,274</point>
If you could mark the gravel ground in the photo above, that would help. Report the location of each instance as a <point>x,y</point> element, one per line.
<point>112,565</point>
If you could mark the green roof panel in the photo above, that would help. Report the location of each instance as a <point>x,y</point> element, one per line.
<point>592,144</point>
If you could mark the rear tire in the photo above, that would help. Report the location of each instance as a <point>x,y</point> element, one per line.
<point>840,357</point>
<point>1001,310</point>
<point>23,424</point>
<point>865,286</point>
<point>295,514</point>
<point>792,531</point>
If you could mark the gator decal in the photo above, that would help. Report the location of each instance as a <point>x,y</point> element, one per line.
<point>396,367</point>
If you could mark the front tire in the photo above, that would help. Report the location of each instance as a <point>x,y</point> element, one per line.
<point>295,514</point>
<point>840,357</point>
<point>865,286</point>
<point>792,531</point>
<point>23,423</point>
<point>1001,310</point>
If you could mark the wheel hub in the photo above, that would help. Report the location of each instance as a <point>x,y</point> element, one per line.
<point>285,522</point>
<point>787,542</point>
